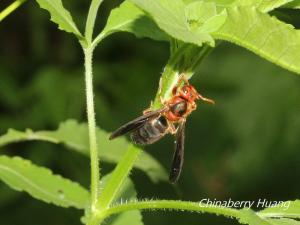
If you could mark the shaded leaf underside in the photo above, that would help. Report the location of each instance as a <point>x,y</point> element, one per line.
<point>75,136</point>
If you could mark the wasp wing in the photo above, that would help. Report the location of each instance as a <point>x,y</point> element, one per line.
<point>178,154</point>
<point>136,123</point>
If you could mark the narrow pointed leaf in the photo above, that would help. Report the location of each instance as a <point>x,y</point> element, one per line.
<point>60,16</point>
<point>40,183</point>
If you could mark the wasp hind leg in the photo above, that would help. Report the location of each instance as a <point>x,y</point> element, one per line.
<point>172,128</point>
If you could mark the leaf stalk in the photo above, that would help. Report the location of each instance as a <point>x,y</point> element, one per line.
<point>9,9</point>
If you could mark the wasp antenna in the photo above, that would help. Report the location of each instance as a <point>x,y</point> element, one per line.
<point>206,99</point>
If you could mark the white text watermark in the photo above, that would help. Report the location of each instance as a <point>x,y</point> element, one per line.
<point>260,203</point>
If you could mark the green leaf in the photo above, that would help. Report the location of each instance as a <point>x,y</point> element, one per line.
<point>247,216</point>
<point>289,209</point>
<point>60,16</point>
<point>170,16</point>
<point>203,17</point>
<point>127,17</point>
<point>262,5</point>
<point>110,151</point>
<point>293,5</point>
<point>283,221</point>
<point>219,3</point>
<point>262,34</point>
<point>39,182</point>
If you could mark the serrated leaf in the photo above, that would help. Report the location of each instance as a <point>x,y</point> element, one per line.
<point>75,136</point>
<point>39,182</point>
<point>127,17</point>
<point>289,209</point>
<point>262,5</point>
<point>262,34</point>
<point>169,15</point>
<point>60,16</point>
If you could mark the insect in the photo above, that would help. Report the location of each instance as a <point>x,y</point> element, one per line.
<point>171,118</point>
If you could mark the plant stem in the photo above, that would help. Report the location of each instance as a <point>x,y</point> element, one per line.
<point>9,9</point>
<point>173,205</point>
<point>90,22</point>
<point>95,169</point>
<point>185,59</point>
<point>114,184</point>
<point>118,177</point>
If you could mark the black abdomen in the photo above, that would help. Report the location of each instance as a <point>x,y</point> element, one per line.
<point>150,132</point>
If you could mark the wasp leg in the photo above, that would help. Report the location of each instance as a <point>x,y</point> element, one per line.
<point>146,111</point>
<point>149,110</point>
<point>193,106</point>
<point>172,128</point>
<point>183,78</point>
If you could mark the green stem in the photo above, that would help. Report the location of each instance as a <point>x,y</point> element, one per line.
<point>118,177</point>
<point>184,59</point>
<point>90,22</point>
<point>9,9</point>
<point>99,38</point>
<point>95,169</point>
<point>173,205</point>
<point>114,184</point>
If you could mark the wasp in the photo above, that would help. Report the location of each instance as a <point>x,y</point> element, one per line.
<point>171,118</point>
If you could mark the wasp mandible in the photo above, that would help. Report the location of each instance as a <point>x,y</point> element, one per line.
<point>171,118</point>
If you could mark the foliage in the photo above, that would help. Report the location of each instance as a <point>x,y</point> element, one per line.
<point>78,141</point>
<point>39,182</point>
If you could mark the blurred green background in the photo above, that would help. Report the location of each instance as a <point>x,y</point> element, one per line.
<point>245,147</point>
